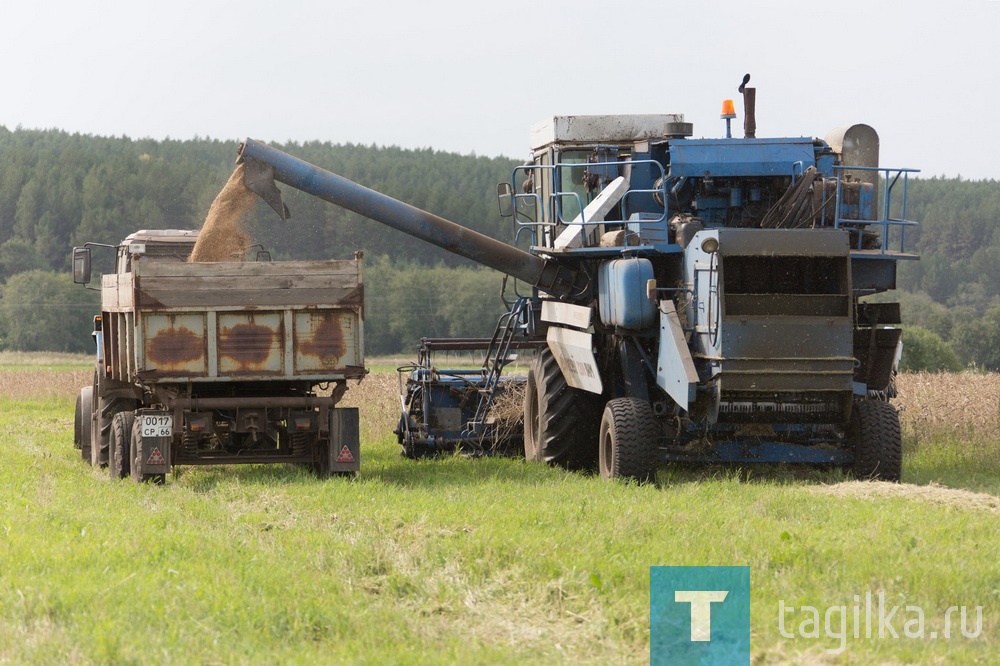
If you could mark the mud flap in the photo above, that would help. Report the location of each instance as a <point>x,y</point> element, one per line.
<point>675,371</point>
<point>345,440</point>
<point>573,351</point>
<point>152,450</point>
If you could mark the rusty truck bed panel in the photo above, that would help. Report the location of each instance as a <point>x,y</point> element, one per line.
<point>240,321</point>
<point>238,285</point>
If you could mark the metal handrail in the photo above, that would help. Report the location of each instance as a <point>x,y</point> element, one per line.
<point>551,216</point>
<point>889,177</point>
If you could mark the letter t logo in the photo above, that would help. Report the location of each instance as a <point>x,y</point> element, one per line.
<point>701,610</point>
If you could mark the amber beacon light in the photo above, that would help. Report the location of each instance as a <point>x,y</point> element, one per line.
<point>728,113</point>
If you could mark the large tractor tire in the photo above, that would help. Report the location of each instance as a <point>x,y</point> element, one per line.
<point>878,445</point>
<point>82,429</point>
<point>120,445</point>
<point>560,422</point>
<point>629,440</point>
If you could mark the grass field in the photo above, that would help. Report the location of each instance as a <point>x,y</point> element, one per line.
<point>478,561</point>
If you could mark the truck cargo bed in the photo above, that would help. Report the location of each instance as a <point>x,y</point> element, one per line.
<point>246,321</point>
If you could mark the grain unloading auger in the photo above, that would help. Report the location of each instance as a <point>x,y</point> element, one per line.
<point>698,299</point>
<point>263,165</point>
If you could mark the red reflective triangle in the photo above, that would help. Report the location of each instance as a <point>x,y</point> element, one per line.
<point>345,455</point>
<point>156,458</point>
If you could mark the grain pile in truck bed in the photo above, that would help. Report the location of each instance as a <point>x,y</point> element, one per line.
<point>222,237</point>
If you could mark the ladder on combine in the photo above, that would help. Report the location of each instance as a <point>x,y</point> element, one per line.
<point>512,325</point>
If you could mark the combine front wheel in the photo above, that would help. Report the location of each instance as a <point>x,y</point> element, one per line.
<point>629,439</point>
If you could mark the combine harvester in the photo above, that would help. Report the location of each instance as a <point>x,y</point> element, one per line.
<point>692,299</point>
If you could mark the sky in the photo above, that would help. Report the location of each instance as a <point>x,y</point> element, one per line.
<point>472,77</point>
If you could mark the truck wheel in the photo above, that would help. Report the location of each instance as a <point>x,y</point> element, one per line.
<point>560,422</point>
<point>77,436</point>
<point>120,448</point>
<point>81,422</point>
<point>321,457</point>
<point>135,458</point>
<point>629,439</point>
<point>878,445</point>
<point>104,414</point>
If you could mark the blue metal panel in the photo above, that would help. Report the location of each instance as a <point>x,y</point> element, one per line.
<point>622,294</point>
<point>649,227</point>
<point>740,157</point>
<point>763,452</point>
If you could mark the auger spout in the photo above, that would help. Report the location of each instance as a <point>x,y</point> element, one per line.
<point>264,165</point>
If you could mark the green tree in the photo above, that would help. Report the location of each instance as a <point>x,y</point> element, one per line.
<point>18,255</point>
<point>925,351</point>
<point>977,340</point>
<point>45,311</point>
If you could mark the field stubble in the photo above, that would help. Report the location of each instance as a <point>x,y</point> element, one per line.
<point>930,404</point>
<point>459,560</point>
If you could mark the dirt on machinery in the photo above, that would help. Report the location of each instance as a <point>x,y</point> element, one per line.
<point>222,236</point>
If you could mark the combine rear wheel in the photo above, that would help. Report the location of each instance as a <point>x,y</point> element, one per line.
<point>120,446</point>
<point>629,440</point>
<point>560,422</point>
<point>878,446</point>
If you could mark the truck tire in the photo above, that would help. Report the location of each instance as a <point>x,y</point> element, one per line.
<point>81,422</point>
<point>878,444</point>
<point>104,415</point>
<point>629,440</point>
<point>135,457</point>
<point>120,445</point>
<point>77,435</point>
<point>560,422</point>
<point>321,456</point>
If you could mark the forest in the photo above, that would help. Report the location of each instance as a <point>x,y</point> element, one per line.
<point>58,190</point>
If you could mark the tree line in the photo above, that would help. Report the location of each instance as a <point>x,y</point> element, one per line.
<point>58,190</point>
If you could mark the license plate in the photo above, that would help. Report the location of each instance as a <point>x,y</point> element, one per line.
<point>157,425</point>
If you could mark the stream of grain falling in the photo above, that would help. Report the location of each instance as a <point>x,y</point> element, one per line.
<point>222,237</point>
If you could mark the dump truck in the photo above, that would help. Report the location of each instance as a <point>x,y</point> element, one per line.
<point>700,300</point>
<point>218,363</point>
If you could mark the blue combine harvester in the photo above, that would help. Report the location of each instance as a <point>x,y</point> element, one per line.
<point>692,299</point>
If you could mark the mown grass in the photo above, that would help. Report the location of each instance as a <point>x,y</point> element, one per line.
<point>468,560</point>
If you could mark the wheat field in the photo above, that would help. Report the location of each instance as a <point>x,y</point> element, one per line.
<point>930,404</point>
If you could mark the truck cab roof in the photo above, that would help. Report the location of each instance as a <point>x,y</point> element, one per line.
<point>157,244</point>
<point>161,236</point>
